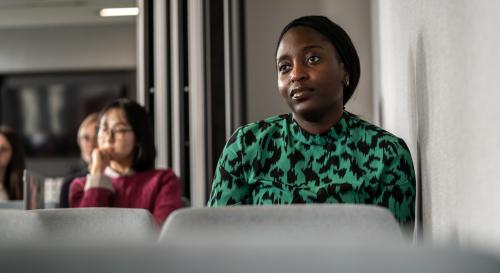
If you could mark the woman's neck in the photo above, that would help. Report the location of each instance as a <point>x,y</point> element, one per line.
<point>121,167</point>
<point>320,126</point>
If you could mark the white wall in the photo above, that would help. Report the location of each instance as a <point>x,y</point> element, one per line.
<point>264,22</point>
<point>436,74</point>
<point>67,48</point>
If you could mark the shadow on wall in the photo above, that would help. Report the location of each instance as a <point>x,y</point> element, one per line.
<point>418,96</point>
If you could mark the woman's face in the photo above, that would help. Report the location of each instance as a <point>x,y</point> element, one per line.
<point>86,140</point>
<point>5,152</point>
<point>116,135</point>
<point>310,74</point>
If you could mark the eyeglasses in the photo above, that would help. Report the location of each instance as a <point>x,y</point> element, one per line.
<point>113,132</point>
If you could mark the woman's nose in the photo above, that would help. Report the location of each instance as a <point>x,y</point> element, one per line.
<point>298,73</point>
<point>108,136</point>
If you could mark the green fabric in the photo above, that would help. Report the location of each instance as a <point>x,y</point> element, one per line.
<point>274,161</point>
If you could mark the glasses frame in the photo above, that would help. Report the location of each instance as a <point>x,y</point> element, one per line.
<point>113,132</point>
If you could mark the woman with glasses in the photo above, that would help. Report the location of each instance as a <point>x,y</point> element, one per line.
<point>11,165</point>
<point>121,171</point>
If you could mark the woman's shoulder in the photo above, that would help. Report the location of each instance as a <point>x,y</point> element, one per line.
<point>262,127</point>
<point>375,134</point>
<point>265,124</point>
<point>251,133</point>
<point>155,176</point>
<point>156,172</point>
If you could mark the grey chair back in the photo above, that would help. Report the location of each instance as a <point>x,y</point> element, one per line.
<point>97,224</point>
<point>17,204</point>
<point>318,224</point>
<point>17,225</point>
<point>160,259</point>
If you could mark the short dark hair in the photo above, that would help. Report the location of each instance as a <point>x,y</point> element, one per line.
<point>340,40</point>
<point>137,116</point>
<point>15,168</point>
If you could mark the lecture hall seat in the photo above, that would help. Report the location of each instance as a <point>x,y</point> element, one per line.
<point>318,224</point>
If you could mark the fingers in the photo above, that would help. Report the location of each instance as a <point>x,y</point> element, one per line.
<point>100,160</point>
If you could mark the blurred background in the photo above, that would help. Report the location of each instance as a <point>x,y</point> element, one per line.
<point>59,61</point>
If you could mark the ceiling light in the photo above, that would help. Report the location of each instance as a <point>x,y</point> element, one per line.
<point>119,12</point>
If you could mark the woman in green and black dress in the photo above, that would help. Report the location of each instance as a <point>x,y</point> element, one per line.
<point>320,153</point>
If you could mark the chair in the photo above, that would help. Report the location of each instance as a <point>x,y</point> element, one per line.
<point>159,259</point>
<point>18,204</point>
<point>97,224</point>
<point>17,225</point>
<point>318,224</point>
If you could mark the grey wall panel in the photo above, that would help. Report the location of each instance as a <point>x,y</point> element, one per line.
<point>264,22</point>
<point>68,47</point>
<point>438,88</point>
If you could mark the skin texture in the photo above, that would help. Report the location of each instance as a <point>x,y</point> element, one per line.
<point>310,79</point>
<point>5,156</point>
<point>114,150</point>
<point>87,141</point>
<point>5,152</point>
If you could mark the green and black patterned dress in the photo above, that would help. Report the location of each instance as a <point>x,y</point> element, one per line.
<point>274,161</point>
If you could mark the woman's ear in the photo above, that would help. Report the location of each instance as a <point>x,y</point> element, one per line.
<point>345,75</point>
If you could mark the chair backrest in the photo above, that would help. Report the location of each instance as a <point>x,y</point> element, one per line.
<point>17,225</point>
<point>97,224</point>
<point>17,204</point>
<point>319,224</point>
<point>160,259</point>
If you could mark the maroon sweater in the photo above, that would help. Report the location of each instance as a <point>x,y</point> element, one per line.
<point>158,191</point>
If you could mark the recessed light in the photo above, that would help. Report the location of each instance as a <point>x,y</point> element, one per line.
<point>133,11</point>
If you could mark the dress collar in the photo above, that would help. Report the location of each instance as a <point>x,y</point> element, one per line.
<point>113,174</point>
<point>340,129</point>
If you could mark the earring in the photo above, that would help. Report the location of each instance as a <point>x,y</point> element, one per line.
<point>346,82</point>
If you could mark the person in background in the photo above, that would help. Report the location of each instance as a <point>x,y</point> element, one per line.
<point>86,140</point>
<point>319,153</point>
<point>121,171</point>
<point>12,165</point>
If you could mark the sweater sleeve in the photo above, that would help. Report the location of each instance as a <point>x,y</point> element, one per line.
<point>91,191</point>
<point>168,198</point>
<point>397,190</point>
<point>229,185</point>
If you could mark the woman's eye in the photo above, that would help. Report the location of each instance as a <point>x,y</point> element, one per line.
<point>283,68</point>
<point>313,59</point>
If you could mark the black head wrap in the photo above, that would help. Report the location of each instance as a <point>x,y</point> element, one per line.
<point>340,40</point>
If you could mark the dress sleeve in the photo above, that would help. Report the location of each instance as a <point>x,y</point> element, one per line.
<point>168,198</point>
<point>397,188</point>
<point>229,185</point>
<point>91,191</point>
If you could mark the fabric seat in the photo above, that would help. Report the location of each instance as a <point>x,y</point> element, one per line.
<point>319,224</point>
<point>18,204</point>
<point>97,224</point>
<point>17,225</point>
<point>176,259</point>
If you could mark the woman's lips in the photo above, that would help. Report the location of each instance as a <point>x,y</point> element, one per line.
<point>301,93</point>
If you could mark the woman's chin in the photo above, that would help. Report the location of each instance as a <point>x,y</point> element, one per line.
<point>308,114</point>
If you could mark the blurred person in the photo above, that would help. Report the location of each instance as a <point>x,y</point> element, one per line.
<point>121,171</point>
<point>12,164</point>
<point>86,139</point>
<point>319,153</point>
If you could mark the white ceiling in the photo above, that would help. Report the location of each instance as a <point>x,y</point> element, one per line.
<point>50,13</point>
